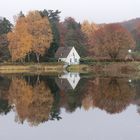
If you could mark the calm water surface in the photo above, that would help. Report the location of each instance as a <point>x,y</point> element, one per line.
<point>71,106</point>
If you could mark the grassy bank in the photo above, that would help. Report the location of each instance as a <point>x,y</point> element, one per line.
<point>78,68</point>
<point>109,68</point>
<point>116,67</point>
<point>31,68</point>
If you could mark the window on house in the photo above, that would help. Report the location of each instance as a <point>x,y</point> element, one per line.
<point>73,54</point>
<point>75,60</point>
<point>70,60</point>
<point>59,60</point>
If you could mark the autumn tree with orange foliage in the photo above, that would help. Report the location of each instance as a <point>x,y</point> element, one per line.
<point>111,39</point>
<point>39,28</point>
<point>89,30</point>
<point>136,35</point>
<point>20,40</point>
<point>32,33</point>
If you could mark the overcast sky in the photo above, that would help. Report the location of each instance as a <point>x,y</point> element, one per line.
<point>98,11</point>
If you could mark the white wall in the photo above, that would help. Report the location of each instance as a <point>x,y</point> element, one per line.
<point>62,59</point>
<point>73,78</point>
<point>73,57</point>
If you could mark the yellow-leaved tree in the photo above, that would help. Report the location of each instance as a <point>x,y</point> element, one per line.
<point>32,33</point>
<point>39,28</point>
<point>89,28</point>
<point>20,41</point>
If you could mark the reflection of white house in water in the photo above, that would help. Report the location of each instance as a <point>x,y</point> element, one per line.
<point>68,81</point>
<point>73,79</point>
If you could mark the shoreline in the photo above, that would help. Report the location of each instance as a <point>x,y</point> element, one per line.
<point>112,68</point>
<point>31,68</point>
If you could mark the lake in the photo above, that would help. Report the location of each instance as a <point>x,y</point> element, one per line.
<point>70,106</point>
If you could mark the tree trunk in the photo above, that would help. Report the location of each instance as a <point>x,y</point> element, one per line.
<point>38,79</point>
<point>28,56</point>
<point>28,79</point>
<point>113,56</point>
<point>37,57</point>
<point>12,59</point>
<point>22,60</point>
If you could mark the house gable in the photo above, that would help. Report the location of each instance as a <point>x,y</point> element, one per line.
<point>68,55</point>
<point>73,57</point>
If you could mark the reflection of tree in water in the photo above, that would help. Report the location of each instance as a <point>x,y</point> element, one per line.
<point>20,95</point>
<point>110,94</point>
<point>4,86</point>
<point>71,99</point>
<point>116,95</point>
<point>90,88</point>
<point>41,105</point>
<point>39,99</point>
<point>55,111</point>
<point>32,103</point>
<point>136,84</point>
<point>138,109</point>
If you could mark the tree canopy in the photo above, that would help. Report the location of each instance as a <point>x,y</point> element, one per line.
<point>37,35</point>
<point>5,26</point>
<point>31,33</point>
<point>111,39</point>
<point>72,35</point>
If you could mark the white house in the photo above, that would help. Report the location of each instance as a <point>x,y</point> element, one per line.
<point>68,81</point>
<point>69,55</point>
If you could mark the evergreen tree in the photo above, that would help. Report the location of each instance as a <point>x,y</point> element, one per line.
<point>54,19</point>
<point>5,27</point>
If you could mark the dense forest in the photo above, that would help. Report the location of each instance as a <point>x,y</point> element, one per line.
<point>36,36</point>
